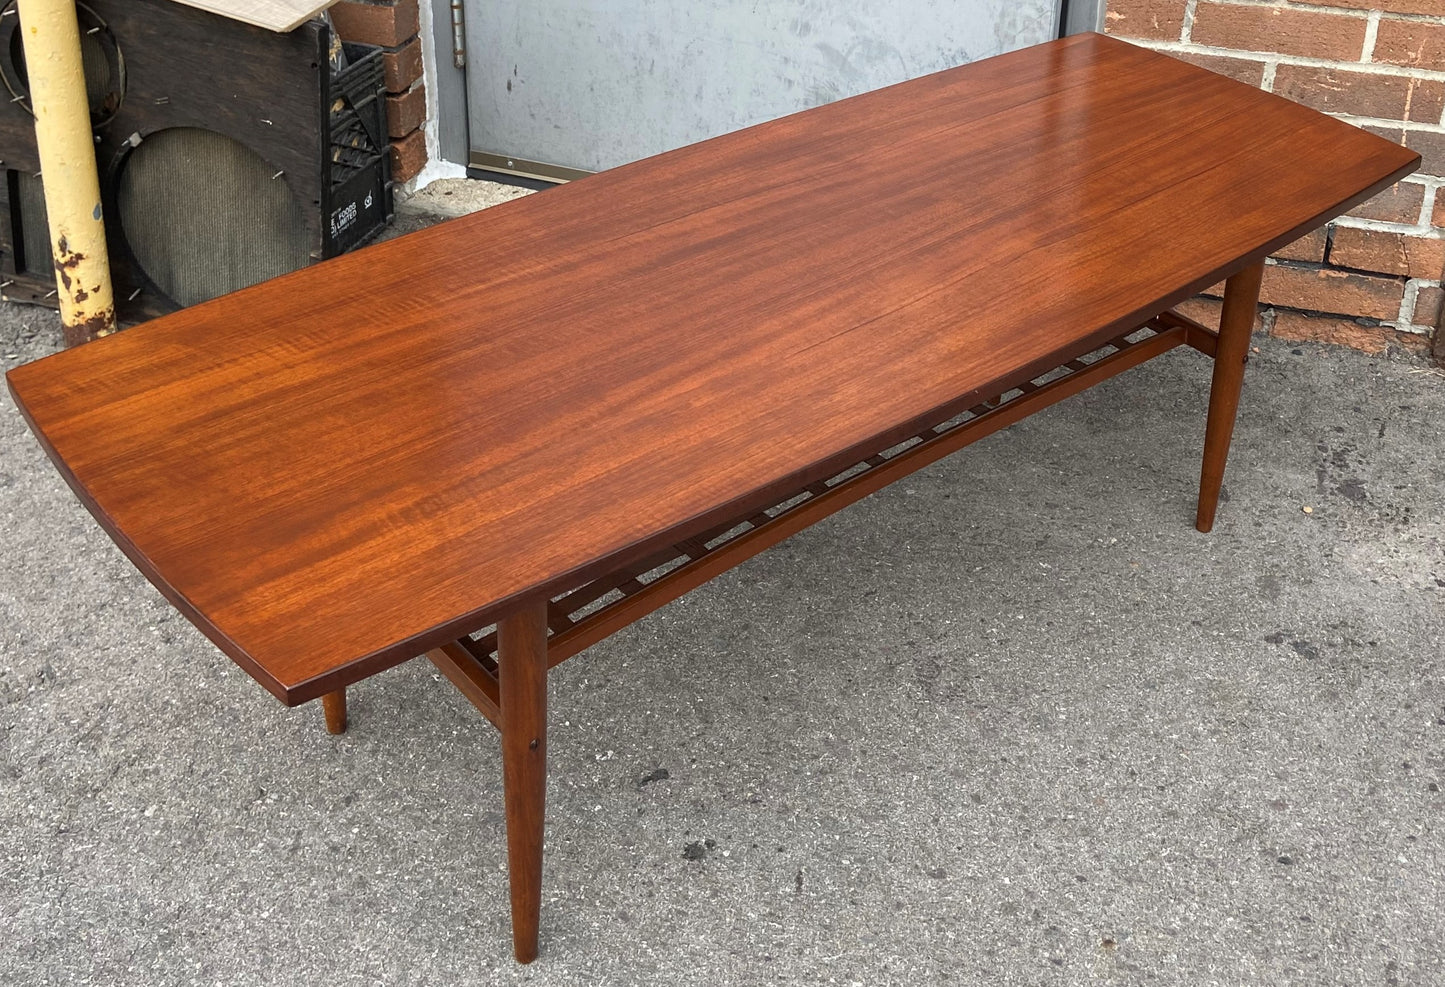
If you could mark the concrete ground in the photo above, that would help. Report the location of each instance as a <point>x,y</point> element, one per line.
<point>1011,721</point>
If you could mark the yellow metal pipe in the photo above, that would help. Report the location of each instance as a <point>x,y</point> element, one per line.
<point>67,166</point>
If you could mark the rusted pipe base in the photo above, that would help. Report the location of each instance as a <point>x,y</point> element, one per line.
<point>56,78</point>
<point>100,324</point>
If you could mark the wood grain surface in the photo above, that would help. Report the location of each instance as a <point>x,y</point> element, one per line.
<point>340,469</point>
<point>273,15</point>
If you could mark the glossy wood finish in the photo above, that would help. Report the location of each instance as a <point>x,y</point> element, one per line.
<point>764,530</point>
<point>1236,322</point>
<point>334,704</point>
<point>329,481</point>
<point>522,669</point>
<point>599,609</point>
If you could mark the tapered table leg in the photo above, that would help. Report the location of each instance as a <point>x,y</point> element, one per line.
<point>334,703</point>
<point>522,674</point>
<point>1236,322</point>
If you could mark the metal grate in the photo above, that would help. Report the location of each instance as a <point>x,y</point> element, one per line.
<point>204,215</point>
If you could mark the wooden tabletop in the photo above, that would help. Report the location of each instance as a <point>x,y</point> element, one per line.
<point>334,471</point>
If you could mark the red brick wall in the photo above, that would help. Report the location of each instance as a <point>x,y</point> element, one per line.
<point>1372,278</point>
<point>394,25</point>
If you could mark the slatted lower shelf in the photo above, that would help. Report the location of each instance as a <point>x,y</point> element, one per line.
<point>583,616</point>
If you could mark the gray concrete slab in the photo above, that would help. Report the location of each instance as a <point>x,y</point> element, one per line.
<point>1011,721</point>
<point>448,198</point>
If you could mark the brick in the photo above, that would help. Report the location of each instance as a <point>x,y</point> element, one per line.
<point>1395,134</point>
<point>389,23</point>
<point>1431,147</point>
<point>1310,247</point>
<point>1433,7</point>
<point>1401,42</point>
<point>1297,327</point>
<point>1284,30</point>
<point>405,111</point>
<point>1328,290</point>
<point>1437,218</point>
<point>1240,69</point>
<point>1400,203</point>
<point>1413,342</point>
<point>1429,144</point>
<point>1390,97</point>
<point>1427,307</point>
<point>1202,310</point>
<point>1388,253</point>
<point>1206,311</point>
<point>408,156</point>
<point>402,66</point>
<point>1153,20</point>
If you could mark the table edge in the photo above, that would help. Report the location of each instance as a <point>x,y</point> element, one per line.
<point>403,650</point>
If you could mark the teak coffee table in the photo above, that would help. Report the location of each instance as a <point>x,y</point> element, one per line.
<point>499,440</point>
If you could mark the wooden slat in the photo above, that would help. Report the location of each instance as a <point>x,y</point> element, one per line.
<point>557,618</point>
<point>599,588</point>
<point>483,650</point>
<point>467,674</point>
<point>1200,337</point>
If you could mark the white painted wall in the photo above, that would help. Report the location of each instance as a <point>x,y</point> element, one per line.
<point>592,84</point>
<point>435,168</point>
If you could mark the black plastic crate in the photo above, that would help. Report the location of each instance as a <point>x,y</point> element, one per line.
<point>358,161</point>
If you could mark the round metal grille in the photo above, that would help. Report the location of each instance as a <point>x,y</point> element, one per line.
<point>101,61</point>
<point>203,215</point>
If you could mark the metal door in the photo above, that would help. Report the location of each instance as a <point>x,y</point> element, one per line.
<point>558,87</point>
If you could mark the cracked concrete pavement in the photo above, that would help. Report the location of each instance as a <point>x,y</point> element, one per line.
<point>1010,721</point>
